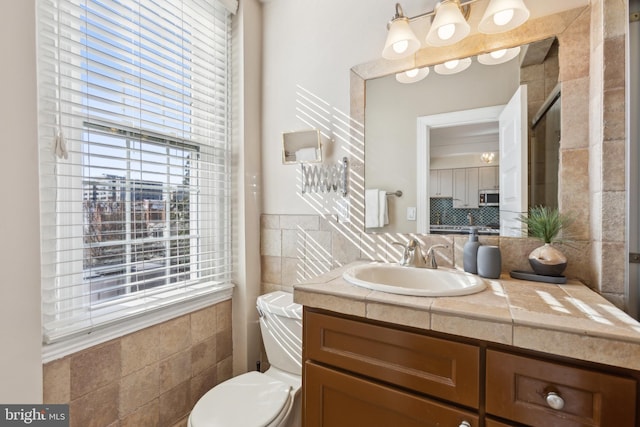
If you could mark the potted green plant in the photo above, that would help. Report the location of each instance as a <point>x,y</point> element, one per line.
<point>547,225</point>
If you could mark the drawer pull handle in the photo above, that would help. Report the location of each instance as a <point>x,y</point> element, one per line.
<point>554,400</point>
<point>464,424</point>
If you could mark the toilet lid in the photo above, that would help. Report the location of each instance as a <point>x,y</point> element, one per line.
<point>248,400</point>
<point>280,303</point>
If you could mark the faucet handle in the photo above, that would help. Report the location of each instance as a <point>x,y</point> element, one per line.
<point>404,260</point>
<point>430,257</point>
<point>412,254</point>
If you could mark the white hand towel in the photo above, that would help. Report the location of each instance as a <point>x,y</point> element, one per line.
<point>383,210</point>
<point>371,208</point>
<point>376,213</point>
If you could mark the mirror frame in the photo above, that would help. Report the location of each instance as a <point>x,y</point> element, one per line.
<point>532,31</point>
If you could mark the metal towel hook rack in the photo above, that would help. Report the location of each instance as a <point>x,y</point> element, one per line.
<point>325,178</point>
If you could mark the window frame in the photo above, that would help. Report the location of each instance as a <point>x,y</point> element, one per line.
<point>69,226</point>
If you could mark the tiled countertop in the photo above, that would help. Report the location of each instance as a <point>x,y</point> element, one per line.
<point>568,320</point>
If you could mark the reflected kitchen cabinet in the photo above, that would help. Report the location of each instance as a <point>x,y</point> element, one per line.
<point>489,178</point>
<point>465,188</point>
<point>441,183</point>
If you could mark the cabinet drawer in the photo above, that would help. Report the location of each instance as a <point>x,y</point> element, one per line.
<point>493,423</point>
<point>336,399</point>
<point>517,389</point>
<point>441,368</point>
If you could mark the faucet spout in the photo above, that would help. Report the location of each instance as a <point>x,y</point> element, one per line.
<point>412,254</point>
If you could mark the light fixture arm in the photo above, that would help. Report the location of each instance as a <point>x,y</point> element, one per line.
<point>465,7</point>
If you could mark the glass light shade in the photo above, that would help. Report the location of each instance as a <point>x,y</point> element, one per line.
<point>412,76</point>
<point>503,15</point>
<point>448,26</point>
<point>451,67</point>
<point>499,56</point>
<point>487,157</point>
<point>401,41</point>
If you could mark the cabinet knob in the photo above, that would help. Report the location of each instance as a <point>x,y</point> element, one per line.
<point>554,400</point>
<point>464,424</point>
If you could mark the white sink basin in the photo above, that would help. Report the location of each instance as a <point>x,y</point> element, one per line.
<point>395,279</point>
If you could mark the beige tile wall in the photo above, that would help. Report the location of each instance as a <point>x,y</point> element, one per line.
<point>607,141</point>
<point>295,248</point>
<point>152,377</point>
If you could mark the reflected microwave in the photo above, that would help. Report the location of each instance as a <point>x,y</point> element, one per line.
<point>489,198</point>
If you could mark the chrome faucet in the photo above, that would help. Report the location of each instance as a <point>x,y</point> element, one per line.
<point>412,255</point>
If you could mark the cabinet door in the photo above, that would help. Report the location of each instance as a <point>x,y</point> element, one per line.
<point>519,388</point>
<point>488,178</point>
<point>472,188</point>
<point>465,188</point>
<point>446,182</point>
<point>459,188</point>
<point>444,369</point>
<point>488,422</point>
<point>434,183</point>
<point>441,183</point>
<point>336,399</point>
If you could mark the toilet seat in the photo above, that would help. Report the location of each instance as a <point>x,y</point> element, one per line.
<point>248,400</point>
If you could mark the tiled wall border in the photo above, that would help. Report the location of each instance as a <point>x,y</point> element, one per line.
<point>152,377</point>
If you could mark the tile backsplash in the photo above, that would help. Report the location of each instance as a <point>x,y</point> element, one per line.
<point>443,207</point>
<point>296,248</point>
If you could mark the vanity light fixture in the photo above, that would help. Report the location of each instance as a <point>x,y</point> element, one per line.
<point>487,157</point>
<point>401,41</point>
<point>503,15</point>
<point>499,56</point>
<point>449,24</point>
<point>452,67</point>
<point>412,76</point>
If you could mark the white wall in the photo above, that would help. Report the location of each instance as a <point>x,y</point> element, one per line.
<point>20,334</point>
<point>246,161</point>
<point>309,48</point>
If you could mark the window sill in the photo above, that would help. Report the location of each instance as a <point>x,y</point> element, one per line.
<point>72,345</point>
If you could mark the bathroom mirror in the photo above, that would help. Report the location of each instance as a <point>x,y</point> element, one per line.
<point>301,147</point>
<point>394,111</point>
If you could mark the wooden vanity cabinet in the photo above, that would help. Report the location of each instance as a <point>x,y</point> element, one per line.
<point>441,368</point>
<point>358,372</point>
<point>493,423</point>
<point>539,392</point>
<point>361,374</point>
<point>334,398</point>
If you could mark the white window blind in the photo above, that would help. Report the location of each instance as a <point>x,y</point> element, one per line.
<point>134,158</point>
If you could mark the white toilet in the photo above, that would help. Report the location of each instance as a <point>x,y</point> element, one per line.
<point>270,399</point>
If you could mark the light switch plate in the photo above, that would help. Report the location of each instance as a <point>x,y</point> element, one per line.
<point>343,210</point>
<point>411,213</point>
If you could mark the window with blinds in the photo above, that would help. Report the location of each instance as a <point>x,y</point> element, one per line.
<point>134,158</point>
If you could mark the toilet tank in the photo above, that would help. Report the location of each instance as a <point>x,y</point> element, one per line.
<point>281,327</point>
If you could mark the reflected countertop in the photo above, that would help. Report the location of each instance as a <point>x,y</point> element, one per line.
<point>463,229</point>
<point>567,320</point>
